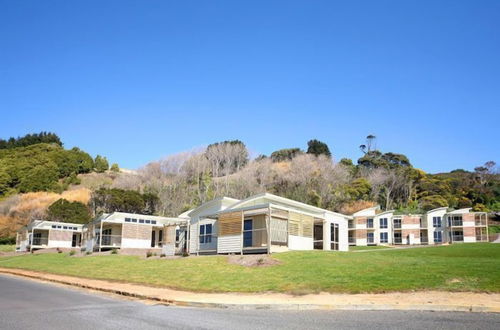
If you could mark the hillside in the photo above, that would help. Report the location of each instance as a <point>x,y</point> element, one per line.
<point>37,175</point>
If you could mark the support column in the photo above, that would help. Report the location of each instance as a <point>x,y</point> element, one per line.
<point>100,236</point>
<point>327,246</point>
<point>268,228</point>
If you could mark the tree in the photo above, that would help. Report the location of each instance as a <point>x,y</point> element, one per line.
<point>285,154</point>
<point>432,202</point>
<point>30,139</point>
<point>115,168</point>
<point>119,200</point>
<point>65,211</point>
<point>101,164</point>
<point>316,148</point>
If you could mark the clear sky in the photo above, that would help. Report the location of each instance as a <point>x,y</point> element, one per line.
<point>138,80</point>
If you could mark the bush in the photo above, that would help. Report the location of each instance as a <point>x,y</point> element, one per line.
<point>149,254</point>
<point>163,255</point>
<point>114,251</point>
<point>66,211</point>
<point>7,240</point>
<point>88,252</point>
<point>72,252</point>
<point>59,250</point>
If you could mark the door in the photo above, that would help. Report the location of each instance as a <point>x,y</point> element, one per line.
<point>153,238</point>
<point>73,240</point>
<point>318,237</point>
<point>247,233</point>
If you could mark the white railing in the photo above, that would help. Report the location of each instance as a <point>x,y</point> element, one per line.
<point>457,238</point>
<point>110,240</point>
<point>37,241</point>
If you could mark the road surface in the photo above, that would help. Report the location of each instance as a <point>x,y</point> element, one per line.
<point>26,304</point>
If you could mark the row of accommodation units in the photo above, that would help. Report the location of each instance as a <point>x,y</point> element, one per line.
<point>373,227</point>
<point>262,223</point>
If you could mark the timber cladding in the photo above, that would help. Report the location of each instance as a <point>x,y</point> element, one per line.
<point>360,220</point>
<point>136,231</point>
<point>60,235</point>
<point>469,232</point>
<point>411,220</point>
<point>230,223</point>
<point>300,225</point>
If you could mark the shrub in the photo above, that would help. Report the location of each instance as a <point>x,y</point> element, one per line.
<point>114,251</point>
<point>88,252</point>
<point>72,253</point>
<point>7,240</point>
<point>163,255</point>
<point>59,250</point>
<point>149,254</point>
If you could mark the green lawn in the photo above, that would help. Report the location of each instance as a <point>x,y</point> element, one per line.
<point>7,248</point>
<point>368,247</point>
<point>461,267</point>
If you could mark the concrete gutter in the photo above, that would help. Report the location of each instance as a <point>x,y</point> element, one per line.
<point>418,301</point>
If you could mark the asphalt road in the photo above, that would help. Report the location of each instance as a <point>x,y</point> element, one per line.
<point>25,304</point>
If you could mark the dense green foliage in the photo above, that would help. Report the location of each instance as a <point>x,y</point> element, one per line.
<point>101,164</point>
<point>30,139</point>
<point>119,200</point>
<point>7,240</point>
<point>38,167</point>
<point>460,267</point>
<point>65,211</point>
<point>285,154</point>
<point>316,147</point>
<point>114,168</point>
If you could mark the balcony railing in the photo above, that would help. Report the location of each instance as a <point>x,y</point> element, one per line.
<point>457,238</point>
<point>423,240</point>
<point>398,240</point>
<point>397,225</point>
<point>481,222</point>
<point>350,225</point>
<point>110,240</point>
<point>37,241</point>
<point>255,238</point>
<point>352,240</point>
<point>456,223</point>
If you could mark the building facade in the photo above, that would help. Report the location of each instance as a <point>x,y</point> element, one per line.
<point>41,234</point>
<point>438,226</point>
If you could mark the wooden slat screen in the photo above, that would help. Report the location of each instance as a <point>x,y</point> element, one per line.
<point>279,232</point>
<point>300,225</point>
<point>230,223</point>
<point>169,234</point>
<point>307,225</point>
<point>294,224</point>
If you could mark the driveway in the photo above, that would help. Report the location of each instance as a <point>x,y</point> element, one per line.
<point>26,304</point>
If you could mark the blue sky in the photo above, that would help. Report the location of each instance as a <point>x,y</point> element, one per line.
<point>138,80</point>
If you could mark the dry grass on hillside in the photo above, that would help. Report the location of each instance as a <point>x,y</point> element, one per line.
<point>355,206</point>
<point>16,211</point>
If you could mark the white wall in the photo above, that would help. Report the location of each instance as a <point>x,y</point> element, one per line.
<point>132,243</point>
<point>230,244</point>
<point>300,243</point>
<point>61,244</point>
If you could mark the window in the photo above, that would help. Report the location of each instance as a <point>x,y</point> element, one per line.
<point>397,238</point>
<point>383,223</point>
<point>148,221</point>
<point>384,238</point>
<point>206,233</point>
<point>127,219</point>
<point>59,227</point>
<point>141,220</point>
<point>134,220</point>
<point>153,222</point>
<point>397,223</point>
<point>54,226</point>
<point>369,223</point>
<point>65,227</point>
<point>370,238</point>
<point>438,237</point>
<point>436,222</point>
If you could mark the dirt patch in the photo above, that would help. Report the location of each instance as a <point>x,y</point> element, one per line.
<point>253,260</point>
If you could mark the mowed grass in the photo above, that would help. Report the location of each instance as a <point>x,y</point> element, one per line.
<point>7,248</point>
<point>369,247</point>
<point>461,267</point>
